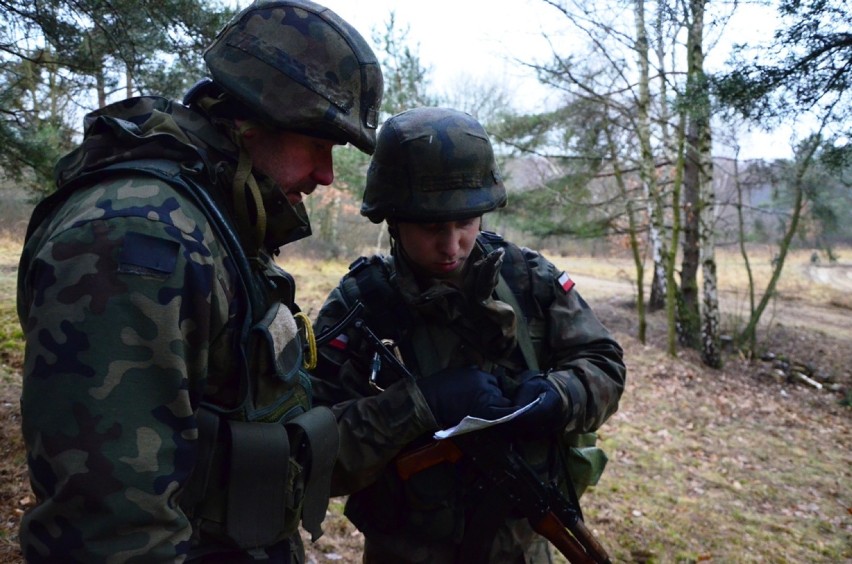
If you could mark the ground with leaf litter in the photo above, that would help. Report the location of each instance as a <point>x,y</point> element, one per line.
<point>745,464</point>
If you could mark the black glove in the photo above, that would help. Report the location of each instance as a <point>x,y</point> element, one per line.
<point>454,393</point>
<point>545,417</point>
<point>482,279</point>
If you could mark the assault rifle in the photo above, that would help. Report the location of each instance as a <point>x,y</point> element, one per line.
<point>509,476</point>
<point>509,479</point>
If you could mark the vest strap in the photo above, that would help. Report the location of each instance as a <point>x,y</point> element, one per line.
<point>505,294</point>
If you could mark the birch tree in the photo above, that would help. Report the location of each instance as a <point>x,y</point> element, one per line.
<point>701,175</point>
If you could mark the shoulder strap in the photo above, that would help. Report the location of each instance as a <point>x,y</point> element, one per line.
<point>505,294</point>
<point>175,174</point>
<point>489,242</point>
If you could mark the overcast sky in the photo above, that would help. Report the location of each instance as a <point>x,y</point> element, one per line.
<point>483,39</point>
<point>460,39</point>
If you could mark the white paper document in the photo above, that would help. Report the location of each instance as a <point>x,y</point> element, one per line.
<point>469,423</point>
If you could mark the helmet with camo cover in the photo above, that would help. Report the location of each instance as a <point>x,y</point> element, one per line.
<point>432,164</point>
<point>298,66</point>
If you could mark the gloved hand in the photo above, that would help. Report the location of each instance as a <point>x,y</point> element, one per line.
<point>482,278</point>
<point>454,393</point>
<point>545,417</point>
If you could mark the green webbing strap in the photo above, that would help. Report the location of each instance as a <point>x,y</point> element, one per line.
<point>260,457</point>
<point>314,433</point>
<point>504,293</point>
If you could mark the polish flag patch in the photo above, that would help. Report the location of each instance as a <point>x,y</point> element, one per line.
<point>340,342</point>
<point>565,281</point>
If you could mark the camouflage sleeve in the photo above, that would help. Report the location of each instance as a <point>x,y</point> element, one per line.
<point>117,313</point>
<point>374,426</point>
<point>586,364</point>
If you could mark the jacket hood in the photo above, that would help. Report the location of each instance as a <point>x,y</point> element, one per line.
<point>151,127</point>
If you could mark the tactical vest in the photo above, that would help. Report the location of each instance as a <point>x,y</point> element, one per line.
<point>264,464</point>
<point>429,506</point>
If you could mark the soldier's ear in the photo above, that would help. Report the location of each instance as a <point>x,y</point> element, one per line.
<point>246,129</point>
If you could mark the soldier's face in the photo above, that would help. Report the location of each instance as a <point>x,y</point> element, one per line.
<point>439,249</point>
<point>296,163</point>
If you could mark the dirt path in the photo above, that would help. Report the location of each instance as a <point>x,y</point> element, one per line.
<point>837,275</point>
<point>833,321</point>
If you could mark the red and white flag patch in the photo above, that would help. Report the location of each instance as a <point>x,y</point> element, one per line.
<point>340,342</point>
<point>565,281</point>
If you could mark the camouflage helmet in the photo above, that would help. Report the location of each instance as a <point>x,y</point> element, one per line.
<point>298,66</point>
<point>432,164</point>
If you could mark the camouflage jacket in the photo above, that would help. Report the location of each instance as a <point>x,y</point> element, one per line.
<point>435,328</point>
<point>137,313</point>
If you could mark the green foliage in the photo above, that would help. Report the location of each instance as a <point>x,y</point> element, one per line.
<point>406,79</point>
<point>561,207</point>
<point>572,201</point>
<point>807,66</point>
<point>350,169</point>
<point>61,59</point>
<point>827,217</point>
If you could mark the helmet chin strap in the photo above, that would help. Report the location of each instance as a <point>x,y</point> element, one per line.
<point>215,107</point>
<point>244,178</point>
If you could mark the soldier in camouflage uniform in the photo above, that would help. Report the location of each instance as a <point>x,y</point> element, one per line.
<point>483,325</point>
<point>166,411</point>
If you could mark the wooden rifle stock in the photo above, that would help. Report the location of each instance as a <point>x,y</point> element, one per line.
<point>551,528</point>
<point>427,456</point>
<point>550,514</point>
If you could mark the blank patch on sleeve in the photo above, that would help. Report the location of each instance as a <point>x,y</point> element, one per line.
<point>145,254</point>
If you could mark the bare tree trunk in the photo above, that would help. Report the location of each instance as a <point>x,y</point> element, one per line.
<point>751,345</point>
<point>672,290</point>
<point>673,150</point>
<point>696,106</point>
<point>688,311</point>
<point>648,168</point>
<point>380,235</point>
<point>333,225</point>
<point>710,328</point>
<point>633,234</point>
<point>100,85</point>
<point>128,81</point>
<point>803,162</point>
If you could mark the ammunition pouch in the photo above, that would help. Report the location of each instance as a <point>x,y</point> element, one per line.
<point>266,466</point>
<point>254,482</point>
<point>584,462</point>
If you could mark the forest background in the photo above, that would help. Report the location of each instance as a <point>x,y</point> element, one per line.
<point>704,250</point>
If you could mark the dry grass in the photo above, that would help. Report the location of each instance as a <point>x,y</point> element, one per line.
<point>798,281</point>
<point>11,336</point>
<point>716,466</point>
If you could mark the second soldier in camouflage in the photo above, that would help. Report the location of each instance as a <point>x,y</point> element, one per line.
<point>485,327</point>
